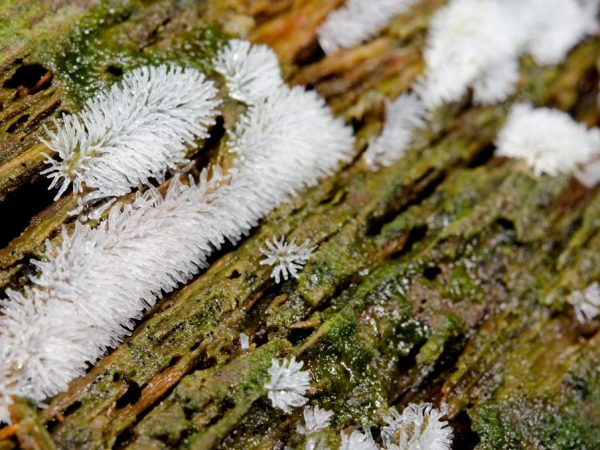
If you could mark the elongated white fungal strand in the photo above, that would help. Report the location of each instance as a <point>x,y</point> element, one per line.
<point>358,21</point>
<point>402,117</point>
<point>131,133</point>
<point>251,71</point>
<point>92,287</point>
<point>550,141</point>
<point>287,384</point>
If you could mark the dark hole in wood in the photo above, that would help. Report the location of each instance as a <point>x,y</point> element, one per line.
<point>26,76</point>
<point>464,436</point>
<point>72,408</point>
<point>195,345</point>
<point>431,272</point>
<point>174,360</point>
<point>115,70</point>
<point>16,211</point>
<point>132,395</point>
<point>17,123</point>
<point>415,235</point>
<point>234,274</point>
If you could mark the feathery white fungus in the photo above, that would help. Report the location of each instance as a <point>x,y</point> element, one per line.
<point>358,21</point>
<point>586,303</point>
<point>131,133</point>
<point>358,441</point>
<point>315,419</point>
<point>402,117</point>
<point>589,174</point>
<point>467,40</point>
<point>288,384</point>
<point>550,141</point>
<point>555,26</point>
<point>251,71</point>
<point>92,287</point>
<point>286,257</point>
<point>96,282</point>
<point>477,44</point>
<point>418,427</point>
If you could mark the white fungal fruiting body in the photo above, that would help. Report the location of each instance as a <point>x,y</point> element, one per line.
<point>133,132</point>
<point>589,174</point>
<point>586,303</point>
<point>477,44</point>
<point>315,419</point>
<point>556,26</point>
<point>358,21</point>
<point>244,341</point>
<point>402,117</point>
<point>550,141</point>
<point>96,282</point>
<point>468,41</point>
<point>286,257</point>
<point>358,441</point>
<point>251,72</point>
<point>92,287</point>
<point>287,384</point>
<point>418,427</point>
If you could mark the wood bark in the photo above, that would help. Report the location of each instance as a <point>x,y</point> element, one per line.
<point>442,278</point>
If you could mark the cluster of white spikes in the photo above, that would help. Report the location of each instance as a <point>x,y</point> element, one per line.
<point>477,44</point>
<point>131,133</point>
<point>586,302</point>
<point>402,117</point>
<point>287,384</point>
<point>92,287</point>
<point>550,141</point>
<point>287,258</point>
<point>358,21</point>
<point>419,427</point>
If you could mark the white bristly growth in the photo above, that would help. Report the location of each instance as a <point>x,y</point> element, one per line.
<point>556,26</point>
<point>589,174</point>
<point>287,384</point>
<point>402,117</point>
<point>358,21</point>
<point>251,72</point>
<point>418,427</point>
<point>93,285</point>
<point>358,441</point>
<point>97,281</point>
<point>586,303</point>
<point>315,419</point>
<point>477,44</point>
<point>550,141</point>
<point>131,133</point>
<point>468,42</point>
<point>286,257</point>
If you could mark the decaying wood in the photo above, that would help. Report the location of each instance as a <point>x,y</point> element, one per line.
<point>440,278</point>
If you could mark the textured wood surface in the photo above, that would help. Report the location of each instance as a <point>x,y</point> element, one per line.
<point>441,278</point>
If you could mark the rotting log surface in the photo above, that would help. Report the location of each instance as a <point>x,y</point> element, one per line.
<point>441,278</point>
